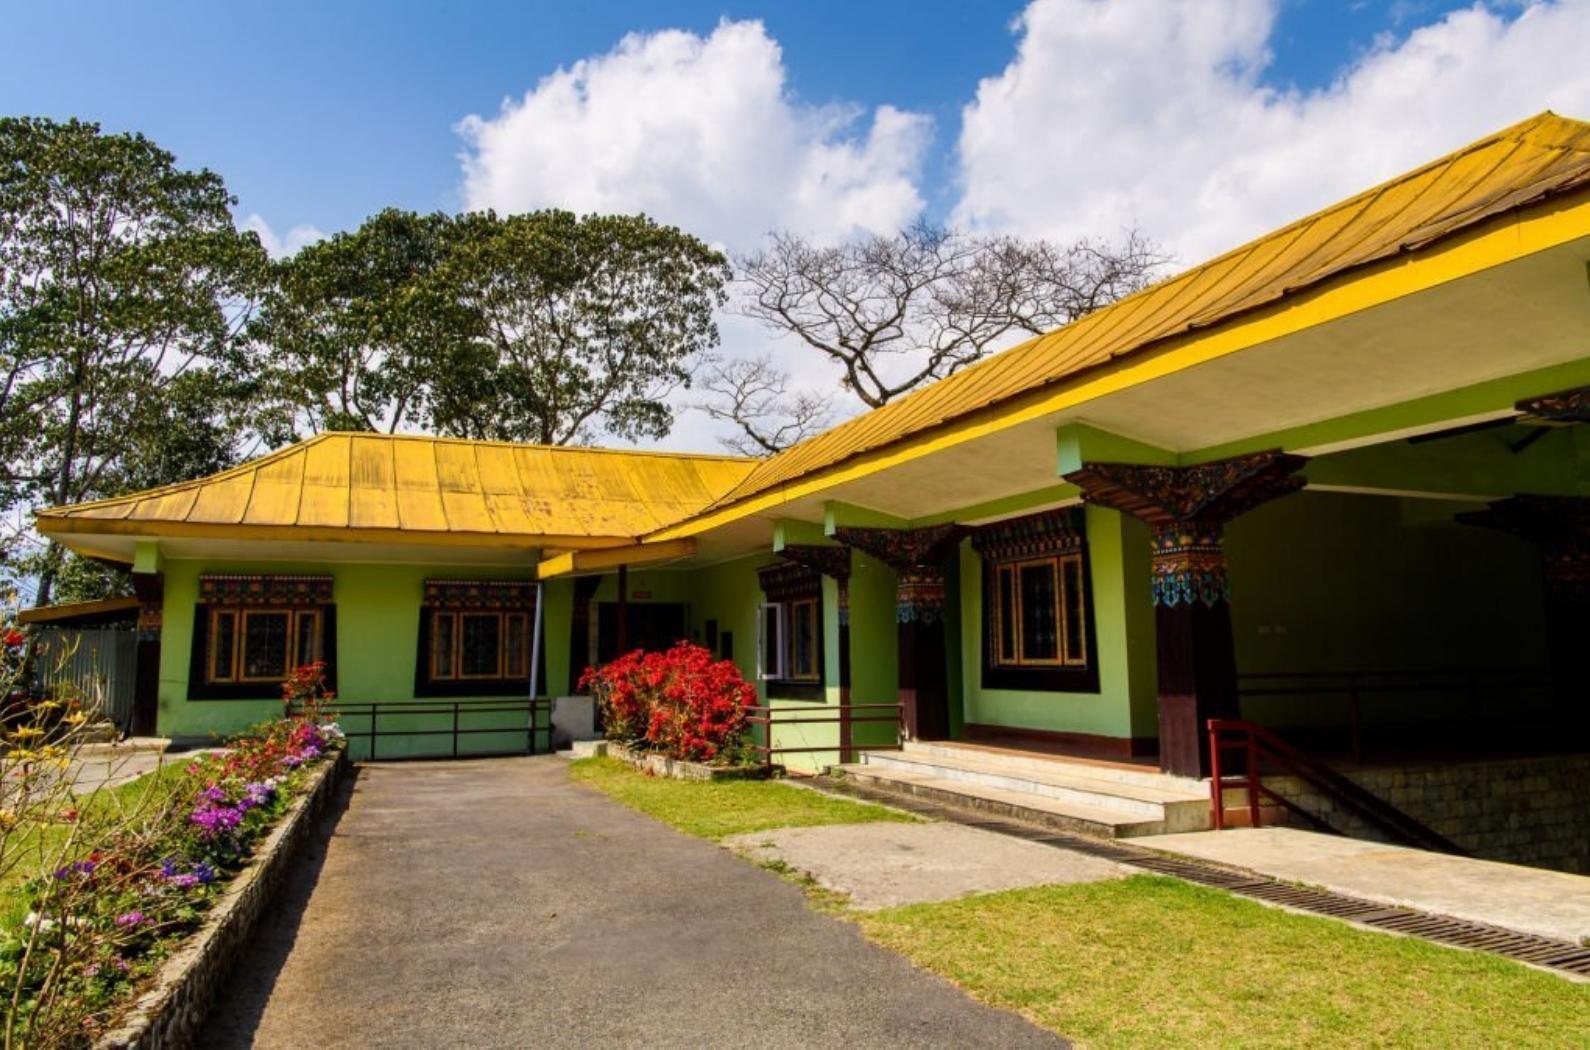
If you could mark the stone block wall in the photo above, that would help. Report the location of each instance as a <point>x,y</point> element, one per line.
<point>1533,811</point>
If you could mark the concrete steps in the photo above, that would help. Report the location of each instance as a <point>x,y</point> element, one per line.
<point>1099,800</point>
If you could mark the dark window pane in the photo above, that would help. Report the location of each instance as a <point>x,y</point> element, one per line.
<point>771,638</point>
<point>1040,635</point>
<point>222,643</point>
<point>805,642</point>
<point>265,644</point>
<point>480,646</point>
<point>517,625</point>
<point>308,650</point>
<point>442,628</point>
<point>1076,619</point>
<point>1007,614</point>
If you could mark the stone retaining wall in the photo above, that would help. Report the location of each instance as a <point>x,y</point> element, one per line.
<point>663,766</point>
<point>170,1014</point>
<point>1533,811</point>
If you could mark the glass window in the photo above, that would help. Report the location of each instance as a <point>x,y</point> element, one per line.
<point>444,630</point>
<point>1040,628</point>
<point>266,645</point>
<point>306,648</point>
<point>480,645</point>
<point>223,646</point>
<point>1039,614</point>
<point>803,639</point>
<point>517,637</point>
<point>771,653</point>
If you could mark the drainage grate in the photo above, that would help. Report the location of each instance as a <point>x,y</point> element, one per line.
<point>1529,948</point>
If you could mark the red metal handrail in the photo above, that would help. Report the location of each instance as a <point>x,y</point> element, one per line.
<point>844,715</point>
<point>1260,745</point>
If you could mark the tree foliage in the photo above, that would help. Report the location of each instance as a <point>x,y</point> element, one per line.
<point>543,327</point>
<point>124,286</point>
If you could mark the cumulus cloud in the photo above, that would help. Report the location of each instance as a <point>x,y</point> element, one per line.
<point>279,245</point>
<point>1154,114</point>
<point>700,132</point>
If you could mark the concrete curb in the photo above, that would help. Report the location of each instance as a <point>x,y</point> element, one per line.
<point>663,766</point>
<point>170,1014</point>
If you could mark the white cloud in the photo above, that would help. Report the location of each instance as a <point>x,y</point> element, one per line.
<point>278,245</point>
<point>701,132</point>
<point>1151,113</point>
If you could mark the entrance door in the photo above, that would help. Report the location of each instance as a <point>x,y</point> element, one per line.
<point>653,626</point>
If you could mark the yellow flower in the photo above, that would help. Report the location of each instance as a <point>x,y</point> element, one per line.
<point>21,754</point>
<point>8,819</point>
<point>24,732</point>
<point>76,718</point>
<point>47,705</point>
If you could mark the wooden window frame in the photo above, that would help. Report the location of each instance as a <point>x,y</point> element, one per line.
<point>509,677</point>
<point>785,680</point>
<point>1065,654</point>
<point>240,615</point>
<point>1075,670</point>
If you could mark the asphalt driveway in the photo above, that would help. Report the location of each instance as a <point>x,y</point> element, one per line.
<point>495,903</point>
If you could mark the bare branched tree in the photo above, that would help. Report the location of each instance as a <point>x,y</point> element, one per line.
<point>756,396</point>
<point>897,312</point>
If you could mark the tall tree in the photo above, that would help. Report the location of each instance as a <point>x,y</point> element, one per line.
<point>124,286</point>
<point>899,311</point>
<point>586,325</point>
<point>356,331</point>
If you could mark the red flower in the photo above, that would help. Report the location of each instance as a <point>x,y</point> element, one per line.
<point>682,702</point>
<point>14,638</point>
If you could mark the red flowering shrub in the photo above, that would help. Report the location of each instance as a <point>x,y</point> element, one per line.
<point>682,702</point>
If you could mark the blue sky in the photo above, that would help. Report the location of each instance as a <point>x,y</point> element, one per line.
<point>320,112</point>
<point>1199,123</point>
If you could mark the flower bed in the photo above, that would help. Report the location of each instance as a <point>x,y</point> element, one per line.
<point>130,877</point>
<point>675,711</point>
<point>660,765</point>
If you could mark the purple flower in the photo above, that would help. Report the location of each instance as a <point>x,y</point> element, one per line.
<point>131,918</point>
<point>184,882</point>
<point>204,873</point>
<point>213,794</point>
<point>217,820</point>
<point>168,868</point>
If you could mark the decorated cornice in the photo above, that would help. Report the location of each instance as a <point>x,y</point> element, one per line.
<point>788,580</point>
<point>830,559</point>
<point>1047,532</point>
<point>1565,406</point>
<point>1207,493</point>
<point>512,595</point>
<point>265,590</point>
<point>903,549</point>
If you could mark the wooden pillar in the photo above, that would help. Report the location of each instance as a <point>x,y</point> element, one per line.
<point>917,556</point>
<point>1561,525</point>
<point>580,655</point>
<point>150,589</point>
<point>1186,509</point>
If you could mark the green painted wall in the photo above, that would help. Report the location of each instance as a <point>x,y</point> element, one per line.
<point>1123,626</point>
<point>1336,582</point>
<point>378,610</point>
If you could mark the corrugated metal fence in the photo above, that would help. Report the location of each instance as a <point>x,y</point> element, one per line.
<point>101,664</point>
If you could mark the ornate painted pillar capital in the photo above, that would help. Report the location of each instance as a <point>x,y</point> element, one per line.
<point>1560,524</point>
<point>1186,509</point>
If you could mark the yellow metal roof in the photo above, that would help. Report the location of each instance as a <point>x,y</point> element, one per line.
<point>342,485</point>
<point>1542,157</point>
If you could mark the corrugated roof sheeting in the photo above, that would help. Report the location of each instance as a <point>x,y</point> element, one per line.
<point>440,485</point>
<point>1539,157</point>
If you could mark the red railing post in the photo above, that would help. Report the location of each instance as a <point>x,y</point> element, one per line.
<point>1253,782</point>
<point>1217,794</point>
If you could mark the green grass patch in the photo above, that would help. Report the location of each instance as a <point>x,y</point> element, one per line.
<point>716,810</point>
<point>1150,961</point>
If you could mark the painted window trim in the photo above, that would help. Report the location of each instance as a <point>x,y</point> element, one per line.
<point>502,683</point>
<point>782,681</point>
<point>1045,678</point>
<point>201,663</point>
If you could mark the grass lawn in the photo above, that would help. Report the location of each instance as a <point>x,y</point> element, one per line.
<point>1151,961</point>
<point>731,807</point>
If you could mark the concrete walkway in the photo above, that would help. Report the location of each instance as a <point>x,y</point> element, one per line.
<point>1530,900</point>
<point>494,903</point>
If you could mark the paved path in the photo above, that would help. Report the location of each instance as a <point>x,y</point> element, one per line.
<point>494,903</point>
<point>1534,900</point>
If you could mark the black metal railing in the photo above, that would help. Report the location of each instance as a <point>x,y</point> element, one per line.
<point>1351,687</point>
<point>845,716</point>
<point>453,719</point>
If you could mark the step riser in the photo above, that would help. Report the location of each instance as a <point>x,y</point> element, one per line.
<point>1022,763</point>
<point>1015,782</point>
<point>997,808</point>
